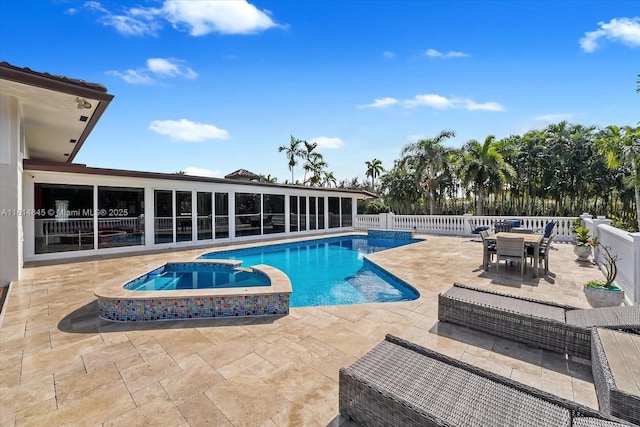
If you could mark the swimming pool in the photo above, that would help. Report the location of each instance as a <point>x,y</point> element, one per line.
<point>185,276</point>
<point>329,271</point>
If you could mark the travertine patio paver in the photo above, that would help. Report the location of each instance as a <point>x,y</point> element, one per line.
<point>60,364</point>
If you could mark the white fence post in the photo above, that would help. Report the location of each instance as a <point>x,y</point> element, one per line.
<point>595,233</point>
<point>467,223</point>
<point>636,267</point>
<point>383,221</point>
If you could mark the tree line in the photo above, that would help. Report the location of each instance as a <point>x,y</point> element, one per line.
<point>564,169</point>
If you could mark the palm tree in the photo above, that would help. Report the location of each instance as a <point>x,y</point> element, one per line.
<point>268,178</point>
<point>429,159</point>
<point>328,179</point>
<point>374,169</point>
<point>399,190</point>
<point>315,165</point>
<point>293,151</point>
<point>308,155</point>
<point>622,147</point>
<point>484,167</point>
<point>180,172</point>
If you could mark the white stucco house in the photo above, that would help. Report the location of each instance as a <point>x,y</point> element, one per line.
<point>54,209</point>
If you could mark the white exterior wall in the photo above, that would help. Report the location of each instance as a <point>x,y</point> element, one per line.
<point>10,190</point>
<point>32,177</point>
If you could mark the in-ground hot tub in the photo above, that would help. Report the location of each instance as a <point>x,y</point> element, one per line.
<point>196,289</point>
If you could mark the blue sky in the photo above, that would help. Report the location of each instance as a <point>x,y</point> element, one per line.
<point>213,86</point>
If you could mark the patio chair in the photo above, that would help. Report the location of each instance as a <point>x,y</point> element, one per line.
<point>521,230</point>
<point>510,249</point>
<point>477,230</point>
<point>399,383</point>
<point>491,247</point>
<point>502,226</point>
<point>560,328</point>
<point>548,229</point>
<point>543,253</point>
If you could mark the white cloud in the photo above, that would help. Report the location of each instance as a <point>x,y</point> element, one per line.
<point>197,17</point>
<point>188,131</point>
<point>553,118</point>
<point>192,170</point>
<point>164,67</point>
<point>380,103</point>
<point>133,77</point>
<point>442,103</point>
<point>435,101</point>
<point>388,54</point>
<point>134,22</point>
<point>429,100</point>
<point>225,17</point>
<point>328,142</point>
<point>623,30</point>
<point>472,105</point>
<point>432,53</point>
<point>156,67</point>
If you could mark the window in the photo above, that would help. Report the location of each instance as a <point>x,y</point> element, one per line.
<point>120,217</point>
<point>184,222</point>
<point>334,212</point>
<point>163,217</point>
<point>303,213</point>
<point>247,214</point>
<point>346,214</point>
<point>273,214</point>
<point>293,213</point>
<point>65,218</point>
<point>320,213</point>
<point>222,215</point>
<point>205,217</point>
<point>312,213</point>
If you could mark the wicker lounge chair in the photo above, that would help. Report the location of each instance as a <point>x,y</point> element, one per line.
<point>547,325</point>
<point>616,371</point>
<point>399,383</point>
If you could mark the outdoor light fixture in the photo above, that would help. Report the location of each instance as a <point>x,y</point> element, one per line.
<point>83,103</point>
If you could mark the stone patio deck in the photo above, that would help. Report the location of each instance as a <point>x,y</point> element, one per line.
<point>62,365</point>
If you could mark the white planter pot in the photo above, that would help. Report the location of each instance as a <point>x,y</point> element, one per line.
<point>600,297</point>
<point>583,252</point>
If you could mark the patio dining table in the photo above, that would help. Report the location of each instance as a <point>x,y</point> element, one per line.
<point>530,240</point>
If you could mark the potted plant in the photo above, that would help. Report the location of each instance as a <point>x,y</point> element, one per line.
<point>604,293</point>
<point>584,243</point>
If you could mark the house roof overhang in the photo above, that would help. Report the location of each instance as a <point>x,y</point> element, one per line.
<point>35,165</point>
<point>55,118</point>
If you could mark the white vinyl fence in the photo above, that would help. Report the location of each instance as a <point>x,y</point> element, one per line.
<point>460,225</point>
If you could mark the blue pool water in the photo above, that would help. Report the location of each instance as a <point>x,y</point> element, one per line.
<point>329,271</point>
<point>189,276</point>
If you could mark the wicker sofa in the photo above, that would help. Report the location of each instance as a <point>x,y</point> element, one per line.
<point>547,325</point>
<point>615,365</point>
<point>399,383</point>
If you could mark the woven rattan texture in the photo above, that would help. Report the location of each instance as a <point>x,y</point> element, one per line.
<point>401,384</point>
<point>611,400</point>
